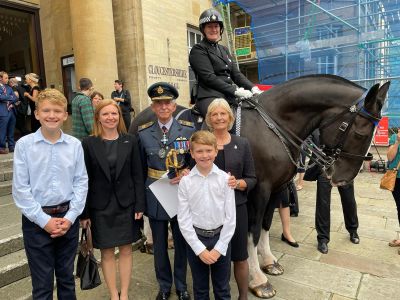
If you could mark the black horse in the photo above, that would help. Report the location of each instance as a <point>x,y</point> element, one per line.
<point>346,115</point>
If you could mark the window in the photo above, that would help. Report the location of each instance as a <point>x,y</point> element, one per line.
<point>194,36</point>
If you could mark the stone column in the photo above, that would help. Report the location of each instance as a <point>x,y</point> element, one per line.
<point>93,38</point>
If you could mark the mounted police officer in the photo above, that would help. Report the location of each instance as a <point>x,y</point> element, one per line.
<point>164,146</point>
<point>216,72</point>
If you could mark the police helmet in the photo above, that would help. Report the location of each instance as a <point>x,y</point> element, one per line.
<point>210,15</point>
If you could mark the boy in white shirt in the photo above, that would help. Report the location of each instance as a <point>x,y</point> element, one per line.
<point>207,218</point>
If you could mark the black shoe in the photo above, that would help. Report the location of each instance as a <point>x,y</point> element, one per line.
<point>163,295</point>
<point>293,244</point>
<point>354,238</point>
<point>323,247</point>
<point>183,295</point>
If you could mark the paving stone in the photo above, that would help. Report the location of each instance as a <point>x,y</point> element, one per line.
<point>373,288</point>
<point>321,276</point>
<point>372,232</point>
<point>362,264</point>
<point>340,297</point>
<point>6,200</point>
<point>288,289</point>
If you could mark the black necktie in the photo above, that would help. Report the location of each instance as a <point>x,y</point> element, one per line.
<point>164,129</point>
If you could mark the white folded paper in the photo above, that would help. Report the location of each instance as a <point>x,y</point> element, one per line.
<point>167,194</point>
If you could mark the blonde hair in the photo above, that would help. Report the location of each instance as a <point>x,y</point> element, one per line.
<point>53,96</point>
<point>97,128</point>
<point>32,76</point>
<point>203,137</point>
<point>219,102</point>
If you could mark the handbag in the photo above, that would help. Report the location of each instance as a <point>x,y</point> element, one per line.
<point>86,267</point>
<point>388,180</point>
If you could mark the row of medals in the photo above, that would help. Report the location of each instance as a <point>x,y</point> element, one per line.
<point>180,146</point>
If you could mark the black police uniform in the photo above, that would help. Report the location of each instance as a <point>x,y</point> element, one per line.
<point>217,74</point>
<point>154,149</point>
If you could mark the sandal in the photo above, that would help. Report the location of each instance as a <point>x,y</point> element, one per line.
<point>394,243</point>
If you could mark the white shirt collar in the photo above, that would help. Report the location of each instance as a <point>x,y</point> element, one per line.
<point>196,171</point>
<point>38,136</point>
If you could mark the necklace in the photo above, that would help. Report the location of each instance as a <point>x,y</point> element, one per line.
<point>111,139</point>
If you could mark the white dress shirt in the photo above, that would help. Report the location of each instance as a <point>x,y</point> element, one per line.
<point>47,174</point>
<point>206,202</point>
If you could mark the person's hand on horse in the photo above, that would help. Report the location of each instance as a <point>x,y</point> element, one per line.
<point>256,91</point>
<point>243,94</point>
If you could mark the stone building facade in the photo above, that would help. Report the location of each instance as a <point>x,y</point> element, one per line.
<point>138,41</point>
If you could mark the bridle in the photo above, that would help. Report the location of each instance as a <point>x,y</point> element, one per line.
<point>323,156</point>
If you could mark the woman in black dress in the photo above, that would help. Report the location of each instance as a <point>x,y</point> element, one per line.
<point>32,80</point>
<point>116,193</point>
<point>234,157</point>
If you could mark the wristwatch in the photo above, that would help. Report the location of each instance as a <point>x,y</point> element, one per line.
<point>237,184</point>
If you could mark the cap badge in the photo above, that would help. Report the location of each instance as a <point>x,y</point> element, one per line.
<point>160,90</point>
<point>213,17</point>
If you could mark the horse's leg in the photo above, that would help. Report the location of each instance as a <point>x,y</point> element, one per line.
<point>258,282</point>
<point>269,262</point>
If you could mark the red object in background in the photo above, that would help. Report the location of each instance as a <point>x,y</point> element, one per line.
<point>382,132</point>
<point>264,87</point>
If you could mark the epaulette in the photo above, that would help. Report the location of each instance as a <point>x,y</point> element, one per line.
<point>146,125</point>
<point>186,123</point>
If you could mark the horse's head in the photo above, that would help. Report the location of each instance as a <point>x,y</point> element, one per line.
<point>348,138</point>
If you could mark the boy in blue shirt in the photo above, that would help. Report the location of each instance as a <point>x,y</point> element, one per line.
<point>207,218</point>
<point>49,187</point>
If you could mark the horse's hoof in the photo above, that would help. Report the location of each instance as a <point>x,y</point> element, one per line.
<point>264,290</point>
<point>274,269</point>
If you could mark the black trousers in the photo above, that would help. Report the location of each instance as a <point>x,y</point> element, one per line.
<point>161,259</point>
<point>396,196</point>
<point>220,273</point>
<point>127,120</point>
<point>323,206</point>
<point>48,256</point>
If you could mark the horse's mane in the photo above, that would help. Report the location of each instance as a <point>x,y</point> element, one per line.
<point>328,76</point>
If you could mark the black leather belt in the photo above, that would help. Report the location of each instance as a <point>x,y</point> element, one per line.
<point>207,233</point>
<point>57,209</point>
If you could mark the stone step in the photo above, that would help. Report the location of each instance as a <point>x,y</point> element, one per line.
<point>19,290</point>
<point>6,174</point>
<point>11,244</point>
<point>5,188</point>
<point>13,267</point>
<point>6,162</point>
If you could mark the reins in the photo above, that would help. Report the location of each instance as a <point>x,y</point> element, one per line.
<point>323,156</point>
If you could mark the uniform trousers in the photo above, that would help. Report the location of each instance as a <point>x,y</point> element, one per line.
<point>48,256</point>
<point>161,259</point>
<point>323,205</point>
<point>220,272</point>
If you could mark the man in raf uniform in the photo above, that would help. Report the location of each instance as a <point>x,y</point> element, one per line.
<point>162,143</point>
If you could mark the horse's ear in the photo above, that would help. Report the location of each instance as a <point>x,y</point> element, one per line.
<point>382,93</point>
<point>370,99</point>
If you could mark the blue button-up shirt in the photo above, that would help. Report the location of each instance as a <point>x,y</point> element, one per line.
<point>47,174</point>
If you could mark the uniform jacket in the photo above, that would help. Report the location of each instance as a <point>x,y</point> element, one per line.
<point>149,136</point>
<point>7,96</point>
<point>216,71</point>
<point>128,182</point>
<point>239,162</point>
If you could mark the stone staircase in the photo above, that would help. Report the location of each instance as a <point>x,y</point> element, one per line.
<point>15,282</point>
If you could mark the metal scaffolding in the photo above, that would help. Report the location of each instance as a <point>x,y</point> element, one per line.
<point>355,39</point>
